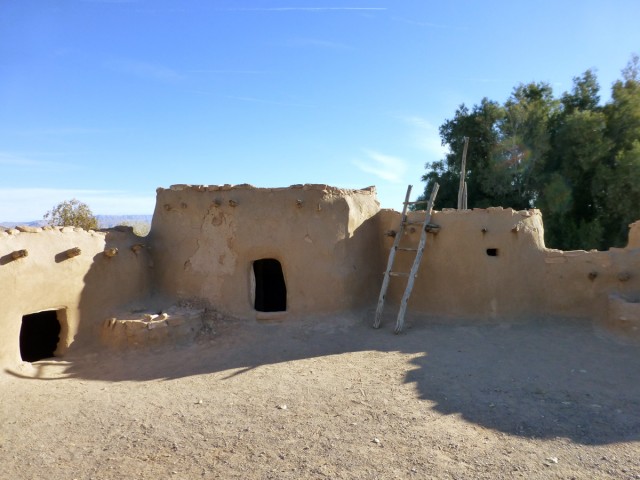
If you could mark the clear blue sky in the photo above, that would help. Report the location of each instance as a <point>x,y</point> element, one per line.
<point>105,100</point>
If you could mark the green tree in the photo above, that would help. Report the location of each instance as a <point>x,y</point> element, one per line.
<point>622,183</point>
<point>72,213</point>
<point>525,139</point>
<point>485,179</point>
<point>623,112</point>
<point>575,159</point>
<point>507,147</point>
<point>585,94</point>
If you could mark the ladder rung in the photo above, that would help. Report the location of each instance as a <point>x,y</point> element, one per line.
<point>398,274</point>
<point>412,275</point>
<point>419,202</point>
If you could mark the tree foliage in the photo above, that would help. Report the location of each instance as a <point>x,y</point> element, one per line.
<point>572,157</point>
<point>72,213</point>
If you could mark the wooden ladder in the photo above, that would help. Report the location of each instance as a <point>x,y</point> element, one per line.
<point>416,262</point>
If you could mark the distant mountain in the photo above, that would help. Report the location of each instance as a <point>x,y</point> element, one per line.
<point>108,221</point>
<point>33,223</point>
<point>104,221</point>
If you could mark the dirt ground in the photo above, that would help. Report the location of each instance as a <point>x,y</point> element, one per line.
<point>333,398</point>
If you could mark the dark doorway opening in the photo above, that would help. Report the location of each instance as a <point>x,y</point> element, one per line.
<point>492,252</point>
<point>39,335</point>
<point>271,291</point>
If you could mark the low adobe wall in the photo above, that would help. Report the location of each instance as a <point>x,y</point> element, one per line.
<point>67,270</point>
<point>634,235</point>
<point>493,263</point>
<point>206,238</point>
<point>579,283</point>
<point>482,263</point>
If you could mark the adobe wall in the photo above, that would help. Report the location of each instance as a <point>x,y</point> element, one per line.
<point>85,284</point>
<point>206,238</point>
<point>333,246</point>
<point>457,277</point>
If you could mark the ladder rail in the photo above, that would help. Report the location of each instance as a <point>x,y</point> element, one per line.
<point>416,262</point>
<point>392,255</point>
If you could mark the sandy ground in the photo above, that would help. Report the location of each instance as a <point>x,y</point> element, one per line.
<point>333,398</point>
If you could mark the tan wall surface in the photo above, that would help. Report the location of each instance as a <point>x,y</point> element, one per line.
<point>205,239</point>
<point>333,247</point>
<point>634,235</point>
<point>458,278</point>
<point>578,283</point>
<point>86,286</point>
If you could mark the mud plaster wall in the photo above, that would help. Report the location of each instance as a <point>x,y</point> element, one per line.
<point>458,278</point>
<point>333,249</point>
<point>86,286</point>
<point>205,239</point>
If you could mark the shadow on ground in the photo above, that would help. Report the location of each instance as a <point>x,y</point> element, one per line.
<point>540,379</point>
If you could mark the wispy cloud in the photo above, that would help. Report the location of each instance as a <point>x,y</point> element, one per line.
<point>144,69</point>
<point>23,193</point>
<point>418,122</point>
<point>223,71</point>
<point>58,131</point>
<point>316,43</point>
<point>383,166</point>
<point>110,1</point>
<point>268,102</point>
<point>8,159</point>
<point>302,9</point>
<point>487,80</point>
<point>418,23</point>
<point>425,136</point>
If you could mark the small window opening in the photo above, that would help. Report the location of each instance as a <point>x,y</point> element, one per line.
<point>39,335</point>
<point>271,291</point>
<point>492,252</point>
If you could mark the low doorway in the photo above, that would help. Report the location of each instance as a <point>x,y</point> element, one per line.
<point>39,335</point>
<point>270,288</point>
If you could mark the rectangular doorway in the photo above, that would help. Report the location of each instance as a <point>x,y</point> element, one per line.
<point>270,288</point>
<point>40,334</point>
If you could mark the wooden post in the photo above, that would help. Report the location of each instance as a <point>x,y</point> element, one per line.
<point>19,254</point>
<point>462,174</point>
<point>465,197</point>
<point>73,252</point>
